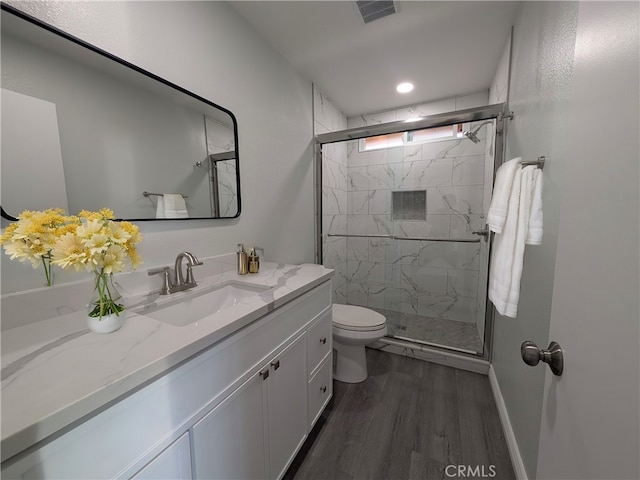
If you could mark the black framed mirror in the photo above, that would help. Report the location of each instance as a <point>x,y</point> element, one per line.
<point>84,129</point>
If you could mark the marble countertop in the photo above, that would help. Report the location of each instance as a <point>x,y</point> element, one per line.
<point>56,372</point>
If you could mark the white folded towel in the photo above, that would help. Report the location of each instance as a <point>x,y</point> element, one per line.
<point>534,236</point>
<point>160,207</point>
<point>508,249</point>
<point>175,206</point>
<point>501,194</point>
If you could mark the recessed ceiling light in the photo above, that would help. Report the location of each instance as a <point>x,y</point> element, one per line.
<point>404,87</point>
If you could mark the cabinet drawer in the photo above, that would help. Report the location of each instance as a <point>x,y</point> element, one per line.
<point>320,390</point>
<point>319,341</point>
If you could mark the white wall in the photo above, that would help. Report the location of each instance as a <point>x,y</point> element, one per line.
<point>541,84</point>
<point>590,427</point>
<point>209,50</point>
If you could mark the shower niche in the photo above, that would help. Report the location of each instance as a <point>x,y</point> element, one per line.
<point>409,205</point>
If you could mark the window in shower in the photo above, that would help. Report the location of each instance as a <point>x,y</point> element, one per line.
<point>412,137</point>
<point>447,132</point>
<point>382,141</point>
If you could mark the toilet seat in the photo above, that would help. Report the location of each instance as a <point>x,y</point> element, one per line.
<point>357,319</point>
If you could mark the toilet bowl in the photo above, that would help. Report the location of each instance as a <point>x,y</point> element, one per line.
<point>353,328</point>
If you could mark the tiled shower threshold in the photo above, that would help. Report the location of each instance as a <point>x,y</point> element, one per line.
<point>431,331</point>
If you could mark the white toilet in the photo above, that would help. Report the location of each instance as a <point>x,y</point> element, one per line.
<point>353,328</point>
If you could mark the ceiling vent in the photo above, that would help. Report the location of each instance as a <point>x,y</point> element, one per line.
<point>374,9</point>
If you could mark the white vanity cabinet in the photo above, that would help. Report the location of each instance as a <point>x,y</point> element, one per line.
<point>256,431</point>
<point>287,406</point>
<point>239,409</point>
<point>230,441</point>
<point>172,464</point>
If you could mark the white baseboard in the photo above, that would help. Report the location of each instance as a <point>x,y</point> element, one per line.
<point>512,444</point>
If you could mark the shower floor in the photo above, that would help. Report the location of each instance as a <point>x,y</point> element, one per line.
<point>432,331</point>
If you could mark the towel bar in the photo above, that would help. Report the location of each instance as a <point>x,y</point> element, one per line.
<point>538,163</point>
<point>146,194</point>
<point>358,235</point>
<point>422,239</point>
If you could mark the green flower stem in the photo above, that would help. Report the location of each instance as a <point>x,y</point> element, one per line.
<point>46,263</point>
<point>104,304</point>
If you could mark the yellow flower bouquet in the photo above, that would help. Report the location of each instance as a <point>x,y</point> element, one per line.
<point>33,236</point>
<point>103,246</point>
<point>90,241</point>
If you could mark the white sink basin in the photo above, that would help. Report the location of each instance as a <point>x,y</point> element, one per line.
<point>190,306</point>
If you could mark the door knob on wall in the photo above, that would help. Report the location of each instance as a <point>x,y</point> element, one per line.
<point>532,354</point>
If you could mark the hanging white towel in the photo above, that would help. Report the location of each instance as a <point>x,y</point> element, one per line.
<point>508,249</point>
<point>534,236</point>
<point>160,207</point>
<point>501,194</point>
<point>175,206</point>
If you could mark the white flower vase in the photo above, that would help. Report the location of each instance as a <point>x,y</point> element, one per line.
<point>107,324</point>
<point>106,310</point>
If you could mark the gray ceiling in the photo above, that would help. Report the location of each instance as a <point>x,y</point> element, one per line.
<point>445,48</point>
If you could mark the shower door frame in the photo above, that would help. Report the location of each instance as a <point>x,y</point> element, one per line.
<point>498,111</point>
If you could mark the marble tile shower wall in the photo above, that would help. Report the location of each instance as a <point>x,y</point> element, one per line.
<point>220,139</point>
<point>328,118</point>
<point>436,279</point>
<point>429,278</point>
<point>421,110</point>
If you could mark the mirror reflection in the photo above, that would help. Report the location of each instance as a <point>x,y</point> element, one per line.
<point>83,130</point>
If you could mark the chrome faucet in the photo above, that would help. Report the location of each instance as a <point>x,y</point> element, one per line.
<point>192,261</point>
<point>180,284</point>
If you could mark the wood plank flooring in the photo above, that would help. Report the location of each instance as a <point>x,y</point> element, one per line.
<point>408,421</point>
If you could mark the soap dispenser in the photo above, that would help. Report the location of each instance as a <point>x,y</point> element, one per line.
<point>254,260</point>
<point>243,260</point>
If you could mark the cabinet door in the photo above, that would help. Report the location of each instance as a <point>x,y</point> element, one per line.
<point>230,441</point>
<point>173,463</point>
<point>287,400</point>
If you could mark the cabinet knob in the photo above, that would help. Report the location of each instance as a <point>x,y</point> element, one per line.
<point>323,340</point>
<point>275,364</point>
<point>323,389</point>
<point>264,374</point>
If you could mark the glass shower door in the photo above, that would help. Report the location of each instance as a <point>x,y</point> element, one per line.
<point>398,228</point>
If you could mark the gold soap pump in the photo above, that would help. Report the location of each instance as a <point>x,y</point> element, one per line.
<point>254,260</point>
<point>243,260</point>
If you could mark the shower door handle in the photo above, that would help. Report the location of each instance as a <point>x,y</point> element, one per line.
<point>483,233</point>
<point>532,354</point>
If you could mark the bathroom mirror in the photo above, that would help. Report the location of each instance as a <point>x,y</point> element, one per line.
<point>83,129</point>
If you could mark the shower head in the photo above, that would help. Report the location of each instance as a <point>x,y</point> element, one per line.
<point>471,134</point>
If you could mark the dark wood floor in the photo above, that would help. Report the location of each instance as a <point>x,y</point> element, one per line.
<point>409,420</point>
